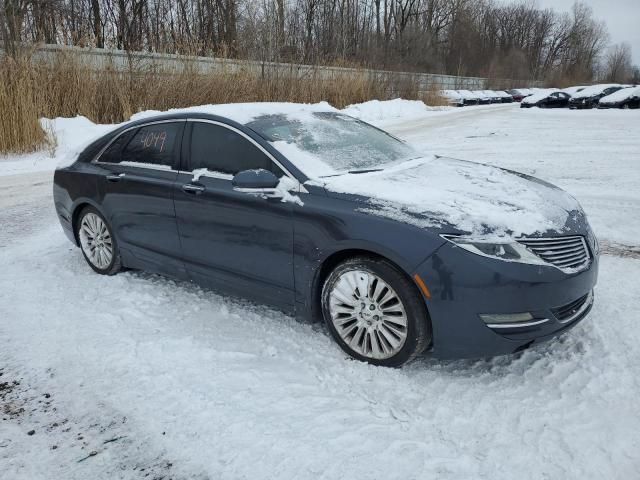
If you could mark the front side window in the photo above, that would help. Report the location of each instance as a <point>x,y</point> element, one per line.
<point>219,149</point>
<point>153,145</point>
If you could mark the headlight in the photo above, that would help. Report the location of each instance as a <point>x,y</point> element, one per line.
<point>507,250</point>
<point>593,242</point>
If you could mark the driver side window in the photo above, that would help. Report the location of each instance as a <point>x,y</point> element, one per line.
<point>219,149</point>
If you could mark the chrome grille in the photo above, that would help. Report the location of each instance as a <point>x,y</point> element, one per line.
<point>563,252</point>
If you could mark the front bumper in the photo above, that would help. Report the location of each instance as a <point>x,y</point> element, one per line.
<point>463,286</point>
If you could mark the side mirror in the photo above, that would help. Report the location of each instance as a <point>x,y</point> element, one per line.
<point>257,182</point>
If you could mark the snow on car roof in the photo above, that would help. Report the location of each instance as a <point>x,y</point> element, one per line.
<point>594,90</point>
<point>451,94</point>
<point>247,112</point>
<point>573,90</point>
<point>621,95</point>
<point>468,94</point>
<point>540,95</point>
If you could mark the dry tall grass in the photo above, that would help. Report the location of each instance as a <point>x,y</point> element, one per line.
<point>65,87</point>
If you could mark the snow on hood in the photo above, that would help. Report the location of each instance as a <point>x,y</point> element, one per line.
<point>541,95</point>
<point>471,197</point>
<point>594,90</point>
<point>621,95</point>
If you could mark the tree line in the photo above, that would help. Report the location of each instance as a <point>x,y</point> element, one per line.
<point>459,37</point>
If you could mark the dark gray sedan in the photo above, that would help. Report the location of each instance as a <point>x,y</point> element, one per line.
<point>326,217</point>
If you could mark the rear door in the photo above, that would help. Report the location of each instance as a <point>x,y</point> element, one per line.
<point>232,241</point>
<point>140,170</point>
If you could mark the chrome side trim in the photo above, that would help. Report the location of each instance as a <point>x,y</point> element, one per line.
<point>517,325</point>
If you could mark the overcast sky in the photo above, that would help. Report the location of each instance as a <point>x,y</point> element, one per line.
<point>621,16</point>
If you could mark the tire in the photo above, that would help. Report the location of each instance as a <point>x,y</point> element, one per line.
<point>97,242</point>
<point>374,328</point>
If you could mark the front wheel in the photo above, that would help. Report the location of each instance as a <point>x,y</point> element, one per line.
<point>97,242</point>
<point>375,313</point>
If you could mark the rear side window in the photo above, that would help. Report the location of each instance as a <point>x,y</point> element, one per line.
<point>220,149</point>
<point>113,153</point>
<point>153,145</point>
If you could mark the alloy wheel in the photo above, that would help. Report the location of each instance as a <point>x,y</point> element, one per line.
<point>96,241</point>
<point>368,314</point>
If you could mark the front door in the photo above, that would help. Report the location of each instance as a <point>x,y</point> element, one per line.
<point>140,170</point>
<point>232,241</point>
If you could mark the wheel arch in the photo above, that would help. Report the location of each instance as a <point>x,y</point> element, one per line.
<point>78,206</point>
<point>339,256</point>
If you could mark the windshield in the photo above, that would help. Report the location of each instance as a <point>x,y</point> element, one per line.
<point>337,142</point>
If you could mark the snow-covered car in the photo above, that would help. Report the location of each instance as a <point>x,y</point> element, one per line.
<point>469,97</point>
<point>590,96</point>
<point>518,94</point>
<point>504,96</point>
<point>453,98</point>
<point>550,98</point>
<point>493,96</point>
<point>623,98</point>
<point>324,216</point>
<point>483,97</point>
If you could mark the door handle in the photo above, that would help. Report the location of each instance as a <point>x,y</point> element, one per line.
<point>115,177</point>
<point>191,188</point>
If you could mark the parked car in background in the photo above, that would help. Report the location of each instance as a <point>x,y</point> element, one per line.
<point>504,96</point>
<point>518,94</point>
<point>453,98</point>
<point>484,99</point>
<point>623,98</point>
<point>469,97</point>
<point>493,96</point>
<point>550,98</point>
<point>590,96</point>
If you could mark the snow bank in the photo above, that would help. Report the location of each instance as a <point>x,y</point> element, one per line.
<point>73,135</point>
<point>375,110</point>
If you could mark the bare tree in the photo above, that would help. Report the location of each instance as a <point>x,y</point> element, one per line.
<point>618,63</point>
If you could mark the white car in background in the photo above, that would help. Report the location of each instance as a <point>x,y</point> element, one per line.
<point>470,98</point>
<point>453,98</point>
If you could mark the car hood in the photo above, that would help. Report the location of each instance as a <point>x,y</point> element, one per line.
<point>461,196</point>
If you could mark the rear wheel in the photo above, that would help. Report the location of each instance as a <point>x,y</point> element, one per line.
<point>97,242</point>
<point>374,312</point>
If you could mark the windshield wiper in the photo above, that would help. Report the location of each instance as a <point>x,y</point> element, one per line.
<point>355,172</point>
<point>366,170</point>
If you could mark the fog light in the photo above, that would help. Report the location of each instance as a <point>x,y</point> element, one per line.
<point>511,320</point>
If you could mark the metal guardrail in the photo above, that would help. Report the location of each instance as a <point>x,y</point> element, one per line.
<point>122,60</point>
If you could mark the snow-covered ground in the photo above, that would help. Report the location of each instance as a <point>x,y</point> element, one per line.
<point>137,376</point>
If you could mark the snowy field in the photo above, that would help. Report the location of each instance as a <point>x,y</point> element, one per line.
<point>137,376</point>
